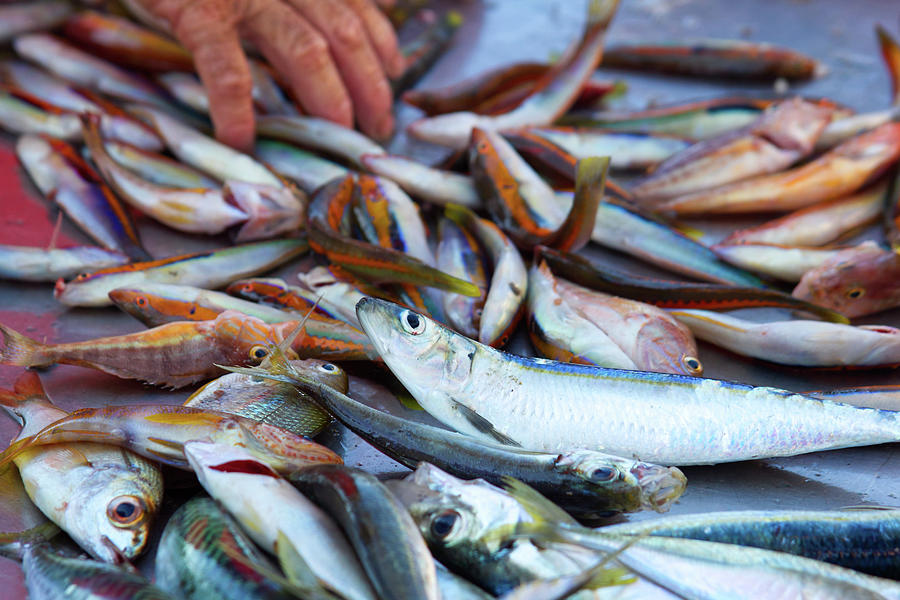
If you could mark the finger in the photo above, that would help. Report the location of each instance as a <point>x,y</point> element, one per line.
<point>297,51</point>
<point>381,36</point>
<point>207,29</point>
<point>359,65</point>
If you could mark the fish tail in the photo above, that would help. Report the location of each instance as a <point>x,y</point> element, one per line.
<point>20,350</point>
<point>600,12</point>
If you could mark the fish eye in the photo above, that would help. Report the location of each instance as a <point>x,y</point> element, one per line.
<point>443,524</point>
<point>258,352</point>
<point>692,363</point>
<point>81,276</point>
<point>412,323</point>
<point>140,301</point>
<point>856,292</point>
<point>328,367</point>
<point>125,511</point>
<point>603,474</point>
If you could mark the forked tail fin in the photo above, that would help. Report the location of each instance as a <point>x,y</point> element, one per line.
<point>20,350</point>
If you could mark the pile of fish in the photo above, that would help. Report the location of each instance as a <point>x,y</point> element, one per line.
<point>419,276</point>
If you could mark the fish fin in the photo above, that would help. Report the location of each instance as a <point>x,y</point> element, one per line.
<point>20,350</point>
<point>482,424</point>
<point>55,235</point>
<point>28,385</point>
<point>15,449</point>
<point>890,51</point>
<point>590,181</point>
<point>601,12</point>
<point>298,572</point>
<point>21,522</point>
<point>539,507</point>
<point>598,576</point>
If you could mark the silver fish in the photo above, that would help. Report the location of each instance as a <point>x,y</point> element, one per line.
<point>25,263</point>
<point>657,417</point>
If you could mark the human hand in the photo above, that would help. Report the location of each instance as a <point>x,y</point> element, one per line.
<point>335,55</point>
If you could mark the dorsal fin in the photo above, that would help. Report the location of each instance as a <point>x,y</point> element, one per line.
<point>28,385</point>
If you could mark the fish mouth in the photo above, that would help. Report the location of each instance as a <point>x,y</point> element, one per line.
<point>375,316</point>
<point>660,486</point>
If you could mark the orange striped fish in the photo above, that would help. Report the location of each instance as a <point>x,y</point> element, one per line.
<point>175,355</point>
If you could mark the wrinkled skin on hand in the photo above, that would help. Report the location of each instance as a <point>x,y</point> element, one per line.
<point>335,58</point>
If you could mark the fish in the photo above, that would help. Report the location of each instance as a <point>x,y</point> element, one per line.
<point>60,174</point>
<point>275,292</point>
<point>124,42</point>
<point>211,269</point>
<point>858,281</point>
<point>204,153</point>
<point>157,168</point>
<point>173,355</point>
<point>160,431</point>
<point>798,342</point>
<point>674,294</point>
<point>841,171</point>
<point>22,114</point>
<point>627,151</point>
<point>204,554</point>
<point>737,59</point>
<point>505,300</point>
<point>518,199</point>
<point>207,211</point>
<point>787,263</point>
<point>50,576</point>
<point>696,120</point>
<point>86,70</point>
<point>26,263</point>
<point>862,540</point>
<point>844,127</point>
<point>783,134</point>
<point>277,517</point>
<point>585,482</point>
<point>553,93</point>
<point>423,51</point>
<point>318,134</point>
<point>459,255</point>
<point>596,328</point>
<point>308,170</point>
<point>467,94</point>
<point>373,263</point>
<point>104,497</point>
<point>382,533</point>
<point>433,185</point>
<point>818,224</point>
<point>657,417</point>
<point>273,402</point>
<point>57,95</point>
<point>703,569</point>
<point>17,19</point>
<point>470,526</point>
<point>186,88</point>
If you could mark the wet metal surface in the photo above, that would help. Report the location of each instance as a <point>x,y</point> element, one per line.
<point>498,32</point>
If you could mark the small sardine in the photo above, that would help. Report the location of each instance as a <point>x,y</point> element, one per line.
<point>434,185</point>
<point>801,343</point>
<point>553,94</point>
<point>505,300</point>
<point>425,49</point>
<point>157,168</point>
<point>787,263</point>
<point>25,263</point>
<point>202,269</point>
<point>59,173</point>
<point>308,170</point>
<point>818,224</point>
<point>319,134</point>
<point>737,59</point>
<point>459,255</point>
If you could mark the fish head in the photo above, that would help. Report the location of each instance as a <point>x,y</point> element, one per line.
<point>602,473</point>
<point>427,357</point>
<point>246,340</point>
<point>258,289</point>
<point>324,372</point>
<point>111,514</point>
<point>855,282</point>
<point>458,517</point>
<point>666,346</point>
